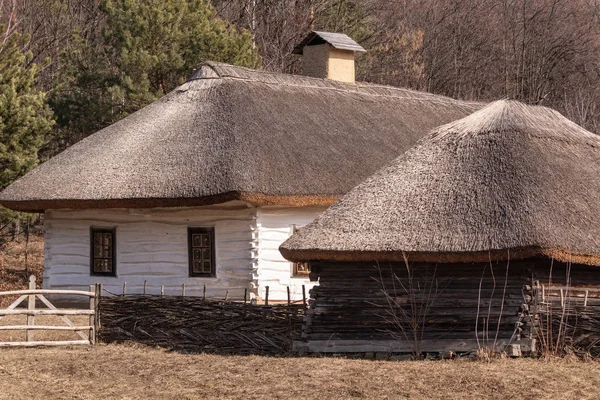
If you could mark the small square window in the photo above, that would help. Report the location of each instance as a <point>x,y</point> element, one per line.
<point>299,269</point>
<point>201,251</point>
<point>103,253</point>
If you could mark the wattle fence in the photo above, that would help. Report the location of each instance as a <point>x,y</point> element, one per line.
<point>194,324</point>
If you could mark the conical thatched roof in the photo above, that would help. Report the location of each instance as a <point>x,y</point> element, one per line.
<point>509,180</point>
<point>233,133</point>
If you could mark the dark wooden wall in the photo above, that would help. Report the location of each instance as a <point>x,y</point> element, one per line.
<point>462,307</point>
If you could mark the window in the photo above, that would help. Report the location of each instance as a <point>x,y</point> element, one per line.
<point>103,260</point>
<point>299,269</point>
<point>201,248</point>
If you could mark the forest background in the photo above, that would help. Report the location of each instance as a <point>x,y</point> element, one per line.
<point>68,68</point>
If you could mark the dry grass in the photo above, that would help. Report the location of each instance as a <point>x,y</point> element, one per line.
<point>47,320</point>
<point>135,372</point>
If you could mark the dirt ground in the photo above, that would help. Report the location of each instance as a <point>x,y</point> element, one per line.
<point>136,372</point>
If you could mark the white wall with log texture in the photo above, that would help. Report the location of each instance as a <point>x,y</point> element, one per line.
<point>151,245</point>
<point>274,226</point>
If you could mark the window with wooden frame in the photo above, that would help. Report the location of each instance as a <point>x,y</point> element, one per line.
<point>103,255</point>
<point>299,269</point>
<point>201,248</point>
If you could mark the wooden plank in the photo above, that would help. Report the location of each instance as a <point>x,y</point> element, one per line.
<point>46,312</point>
<point>43,328</point>
<point>395,346</point>
<point>48,343</point>
<point>91,334</point>
<point>46,291</point>
<point>30,309</point>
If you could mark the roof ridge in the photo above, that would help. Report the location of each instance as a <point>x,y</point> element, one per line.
<point>219,70</point>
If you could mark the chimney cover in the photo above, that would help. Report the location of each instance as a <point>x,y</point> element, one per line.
<point>338,41</point>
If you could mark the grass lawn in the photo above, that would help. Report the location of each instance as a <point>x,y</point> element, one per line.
<point>136,372</point>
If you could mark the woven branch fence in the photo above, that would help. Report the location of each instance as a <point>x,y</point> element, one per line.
<point>197,325</point>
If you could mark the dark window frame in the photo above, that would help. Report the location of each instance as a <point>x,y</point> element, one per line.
<point>213,269</point>
<point>113,232</point>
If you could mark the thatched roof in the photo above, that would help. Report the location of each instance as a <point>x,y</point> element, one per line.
<point>233,133</point>
<point>338,41</point>
<point>509,181</point>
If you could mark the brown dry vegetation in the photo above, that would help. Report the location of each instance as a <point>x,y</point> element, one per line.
<point>135,372</point>
<point>14,271</point>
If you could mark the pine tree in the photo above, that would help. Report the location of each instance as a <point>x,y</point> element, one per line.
<point>160,42</point>
<point>146,49</point>
<point>25,119</point>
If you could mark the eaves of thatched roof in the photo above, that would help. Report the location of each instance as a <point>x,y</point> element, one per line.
<point>509,181</point>
<point>233,133</point>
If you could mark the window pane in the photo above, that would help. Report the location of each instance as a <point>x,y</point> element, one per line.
<point>196,240</point>
<point>197,267</point>
<point>97,251</point>
<point>301,268</point>
<point>97,239</point>
<point>206,254</point>
<point>206,240</point>
<point>206,267</point>
<point>197,254</point>
<point>108,239</point>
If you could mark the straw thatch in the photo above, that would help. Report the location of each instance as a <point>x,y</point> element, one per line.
<point>509,181</point>
<point>234,133</point>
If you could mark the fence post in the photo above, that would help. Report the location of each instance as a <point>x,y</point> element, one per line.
<point>97,313</point>
<point>226,294</point>
<point>183,289</point>
<point>124,288</point>
<point>92,319</point>
<point>266,296</point>
<point>245,295</point>
<point>31,307</point>
<point>162,290</point>
<point>304,295</point>
<point>204,293</point>
<point>145,287</point>
<point>289,296</point>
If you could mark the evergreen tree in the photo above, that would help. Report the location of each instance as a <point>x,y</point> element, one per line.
<point>25,119</point>
<point>146,49</point>
<point>159,43</point>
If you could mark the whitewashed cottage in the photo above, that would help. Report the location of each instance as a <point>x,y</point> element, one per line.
<point>202,186</point>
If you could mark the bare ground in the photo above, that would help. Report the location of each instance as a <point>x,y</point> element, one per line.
<point>136,372</point>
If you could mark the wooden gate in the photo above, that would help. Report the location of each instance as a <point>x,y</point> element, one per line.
<point>87,333</point>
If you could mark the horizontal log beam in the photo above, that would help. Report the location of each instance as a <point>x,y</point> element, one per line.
<point>45,291</point>
<point>44,343</point>
<point>46,312</point>
<point>44,328</point>
<point>394,346</point>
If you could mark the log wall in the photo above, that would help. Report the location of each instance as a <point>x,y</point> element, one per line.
<point>274,225</point>
<point>151,247</point>
<point>462,307</point>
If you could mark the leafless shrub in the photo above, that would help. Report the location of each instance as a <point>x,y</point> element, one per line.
<point>409,297</point>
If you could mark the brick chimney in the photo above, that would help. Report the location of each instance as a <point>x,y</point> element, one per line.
<point>329,55</point>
